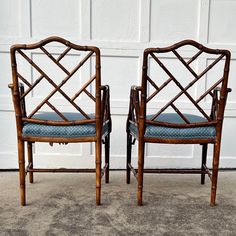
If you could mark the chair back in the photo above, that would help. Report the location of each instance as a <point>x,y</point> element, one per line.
<point>184,77</point>
<point>48,76</point>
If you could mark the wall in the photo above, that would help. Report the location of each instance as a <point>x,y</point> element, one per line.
<point>122,29</point>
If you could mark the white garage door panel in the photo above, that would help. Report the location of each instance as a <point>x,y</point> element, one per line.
<point>174,20</point>
<point>9,18</point>
<point>221,19</point>
<point>116,21</point>
<point>122,29</point>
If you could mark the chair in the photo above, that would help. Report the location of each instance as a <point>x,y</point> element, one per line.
<point>56,101</point>
<point>157,113</point>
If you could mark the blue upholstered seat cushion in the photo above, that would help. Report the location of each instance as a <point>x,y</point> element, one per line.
<point>71,131</point>
<point>175,133</point>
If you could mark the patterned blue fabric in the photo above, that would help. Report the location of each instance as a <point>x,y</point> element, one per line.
<point>72,131</point>
<point>175,133</point>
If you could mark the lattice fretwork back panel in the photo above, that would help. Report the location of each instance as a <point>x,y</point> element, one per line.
<point>182,80</point>
<point>57,78</point>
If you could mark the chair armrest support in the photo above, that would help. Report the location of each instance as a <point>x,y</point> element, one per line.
<point>219,88</point>
<point>106,115</point>
<point>215,101</point>
<point>21,92</point>
<point>134,105</point>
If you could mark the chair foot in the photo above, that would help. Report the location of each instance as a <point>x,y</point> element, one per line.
<point>128,179</point>
<point>23,203</point>
<point>212,204</point>
<point>213,197</point>
<point>98,196</point>
<point>140,203</point>
<point>213,200</point>
<point>203,179</point>
<point>140,196</point>
<point>107,177</point>
<point>22,196</point>
<point>127,174</point>
<point>31,178</point>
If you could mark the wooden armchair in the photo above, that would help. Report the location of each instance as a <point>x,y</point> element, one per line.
<point>154,119</point>
<point>48,110</point>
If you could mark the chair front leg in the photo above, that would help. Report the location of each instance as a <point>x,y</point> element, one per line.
<point>204,159</point>
<point>141,147</point>
<point>21,161</point>
<point>98,171</point>
<point>107,157</point>
<point>215,166</point>
<point>30,161</point>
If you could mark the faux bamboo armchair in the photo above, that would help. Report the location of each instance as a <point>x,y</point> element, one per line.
<point>164,121</point>
<point>40,115</point>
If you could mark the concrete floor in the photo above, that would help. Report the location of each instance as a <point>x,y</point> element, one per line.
<point>64,204</point>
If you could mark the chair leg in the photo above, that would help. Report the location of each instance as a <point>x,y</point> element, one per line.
<point>140,171</point>
<point>215,165</point>
<point>30,161</point>
<point>98,171</point>
<point>204,158</point>
<point>128,160</point>
<point>107,157</point>
<point>21,161</point>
